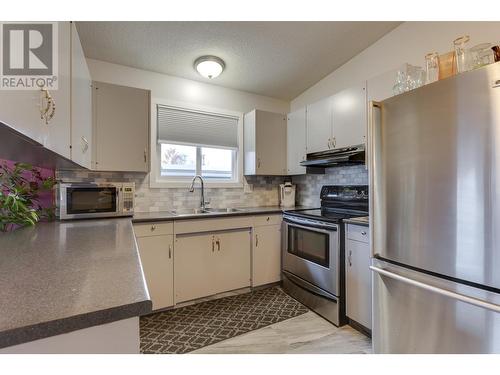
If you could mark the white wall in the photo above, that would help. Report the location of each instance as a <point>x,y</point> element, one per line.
<point>409,43</point>
<point>175,89</point>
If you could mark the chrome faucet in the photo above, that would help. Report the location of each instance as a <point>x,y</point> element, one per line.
<point>191,189</point>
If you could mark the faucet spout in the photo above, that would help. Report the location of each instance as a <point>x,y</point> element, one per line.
<point>191,189</point>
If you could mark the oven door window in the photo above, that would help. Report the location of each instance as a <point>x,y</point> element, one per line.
<point>90,200</point>
<point>309,244</point>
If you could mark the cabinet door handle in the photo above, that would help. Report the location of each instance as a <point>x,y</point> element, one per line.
<point>218,244</point>
<point>169,251</point>
<point>256,240</point>
<point>153,227</point>
<point>329,143</point>
<point>213,244</point>
<point>145,155</point>
<point>349,258</point>
<point>334,141</point>
<point>258,163</point>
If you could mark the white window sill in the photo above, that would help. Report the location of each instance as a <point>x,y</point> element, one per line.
<point>186,184</point>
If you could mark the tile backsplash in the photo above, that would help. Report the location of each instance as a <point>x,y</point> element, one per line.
<point>264,193</point>
<point>309,186</point>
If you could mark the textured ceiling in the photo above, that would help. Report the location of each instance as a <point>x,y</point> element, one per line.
<point>276,59</point>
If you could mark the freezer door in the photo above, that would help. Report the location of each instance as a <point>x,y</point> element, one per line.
<point>417,313</point>
<point>435,159</point>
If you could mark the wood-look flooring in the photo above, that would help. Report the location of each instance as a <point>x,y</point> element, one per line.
<point>304,334</point>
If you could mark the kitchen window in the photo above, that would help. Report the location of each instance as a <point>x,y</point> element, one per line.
<point>193,142</point>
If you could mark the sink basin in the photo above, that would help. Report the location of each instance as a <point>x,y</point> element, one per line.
<point>189,211</point>
<point>222,210</point>
<point>199,211</point>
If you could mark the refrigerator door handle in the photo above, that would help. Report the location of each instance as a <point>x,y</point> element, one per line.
<point>470,300</point>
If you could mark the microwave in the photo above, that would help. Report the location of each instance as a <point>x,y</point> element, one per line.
<point>94,200</point>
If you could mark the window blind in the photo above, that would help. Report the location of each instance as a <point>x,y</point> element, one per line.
<point>179,125</point>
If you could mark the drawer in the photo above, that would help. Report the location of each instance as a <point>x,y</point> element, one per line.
<point>266,220</point>
<point>153,229</point>
<point>358,233</point>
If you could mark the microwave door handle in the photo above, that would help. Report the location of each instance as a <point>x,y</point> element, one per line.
<point>119,201</point>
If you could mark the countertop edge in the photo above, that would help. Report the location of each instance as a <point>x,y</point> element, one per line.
<point>22,335</point>
<point>250,212</point>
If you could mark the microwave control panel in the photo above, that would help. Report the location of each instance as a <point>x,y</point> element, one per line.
<point>128,192</point>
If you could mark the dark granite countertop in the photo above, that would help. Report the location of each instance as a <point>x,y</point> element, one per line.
<point>63,276</point>
<point>168,215</point>
<point>358,220</point>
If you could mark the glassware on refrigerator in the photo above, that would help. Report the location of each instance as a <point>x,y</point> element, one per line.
<point>409,77</point>
<point>482,55</point>
<point>462,54</point>
<point>431,67</point>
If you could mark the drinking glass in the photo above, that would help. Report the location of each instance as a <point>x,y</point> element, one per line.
<point>431,67</point>
<point>462,54</point>
<point>482,55</point>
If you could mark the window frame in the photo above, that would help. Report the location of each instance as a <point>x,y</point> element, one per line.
<point>158,181</point>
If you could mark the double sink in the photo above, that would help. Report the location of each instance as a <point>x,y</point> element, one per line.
<point>201,211</point>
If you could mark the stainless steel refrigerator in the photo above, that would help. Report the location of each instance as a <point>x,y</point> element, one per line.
<point>435,217</point>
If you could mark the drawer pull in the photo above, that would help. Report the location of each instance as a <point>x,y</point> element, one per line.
<point>153,227</point>
<point>363,233</point>
<point>169,251</point>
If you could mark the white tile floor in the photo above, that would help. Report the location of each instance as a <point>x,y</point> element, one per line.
<point>304,334</point>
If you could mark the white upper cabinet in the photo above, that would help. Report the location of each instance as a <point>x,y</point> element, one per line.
<point>296,141</point>
<point>265,143</point>
<point>121,128</point>
<point>349,117</point>
<point>338,121</point>
<point>57,130</point>
<point>21,109</point>
<point>319,125</point>
<point>68,119</point>
<point>81,104</point>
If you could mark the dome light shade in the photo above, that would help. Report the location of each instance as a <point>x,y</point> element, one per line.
<point>209,66</point>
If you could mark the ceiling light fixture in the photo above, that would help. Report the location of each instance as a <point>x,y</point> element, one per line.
<point>209,66</point>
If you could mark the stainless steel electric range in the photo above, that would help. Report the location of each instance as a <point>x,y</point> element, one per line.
<point>313,250</point>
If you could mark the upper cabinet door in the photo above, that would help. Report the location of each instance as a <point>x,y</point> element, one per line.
<point>349,117</point>
<point>296,141</point>
<point>270,143</point>
<point>319,125</point>
<point>81,104</point>
<point>121,128</point>
<point>265,143</point>
<point>57,130</point>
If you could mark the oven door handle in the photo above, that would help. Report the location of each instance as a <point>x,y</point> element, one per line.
<point>316,228</point>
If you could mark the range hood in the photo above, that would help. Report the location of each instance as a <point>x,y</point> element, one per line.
<point>331,158</point>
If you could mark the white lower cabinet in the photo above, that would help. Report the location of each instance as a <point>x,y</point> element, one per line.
<point>157,258</point>
<point>266,260</point>
<point>194,261</point>
<point>190,259</point>
<point>210,263</point>
<point>358,275</point>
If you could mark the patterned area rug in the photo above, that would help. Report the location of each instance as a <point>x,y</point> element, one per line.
<point>192,327</point>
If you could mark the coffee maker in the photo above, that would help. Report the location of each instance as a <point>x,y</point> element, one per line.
<point>287,195</point>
